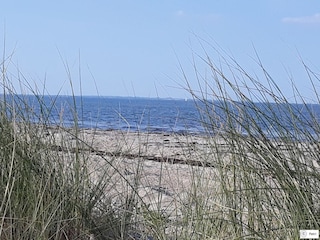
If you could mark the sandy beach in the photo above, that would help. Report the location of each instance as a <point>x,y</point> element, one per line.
<point>161,168</point>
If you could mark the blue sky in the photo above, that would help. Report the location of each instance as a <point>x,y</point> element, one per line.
<point>134,48</point>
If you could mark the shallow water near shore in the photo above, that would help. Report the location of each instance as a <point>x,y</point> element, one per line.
<point>181,116</point>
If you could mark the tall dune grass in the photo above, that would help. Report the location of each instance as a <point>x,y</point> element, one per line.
<point>270,176</point>
<point>42,197</point>
<point>49,189</point>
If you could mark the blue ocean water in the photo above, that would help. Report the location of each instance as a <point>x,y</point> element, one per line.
<point>173,115</point>
<point>118,113</point>
<point>143,114</point>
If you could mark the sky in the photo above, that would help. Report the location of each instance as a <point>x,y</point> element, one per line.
<point>144,48</point>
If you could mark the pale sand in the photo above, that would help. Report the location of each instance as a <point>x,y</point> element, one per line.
<point>167,171</point>
<point>164,168</point>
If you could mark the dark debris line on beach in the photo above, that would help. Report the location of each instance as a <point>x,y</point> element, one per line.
<point>171,160</point>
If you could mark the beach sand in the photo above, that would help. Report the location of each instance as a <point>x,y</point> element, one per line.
<point>161,168</point>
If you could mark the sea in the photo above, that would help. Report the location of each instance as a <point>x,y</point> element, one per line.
<point>112,113</point>
<point>181,116</point>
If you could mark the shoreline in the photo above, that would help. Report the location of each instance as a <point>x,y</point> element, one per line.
<point>156,145</point>
<point>159,147</point>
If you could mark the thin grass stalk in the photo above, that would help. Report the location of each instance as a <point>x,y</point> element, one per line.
<point>269,171</point>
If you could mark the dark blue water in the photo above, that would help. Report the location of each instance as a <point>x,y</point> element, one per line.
<point>143,114</point>
<point>173,115</point>
<point>119,113</point>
